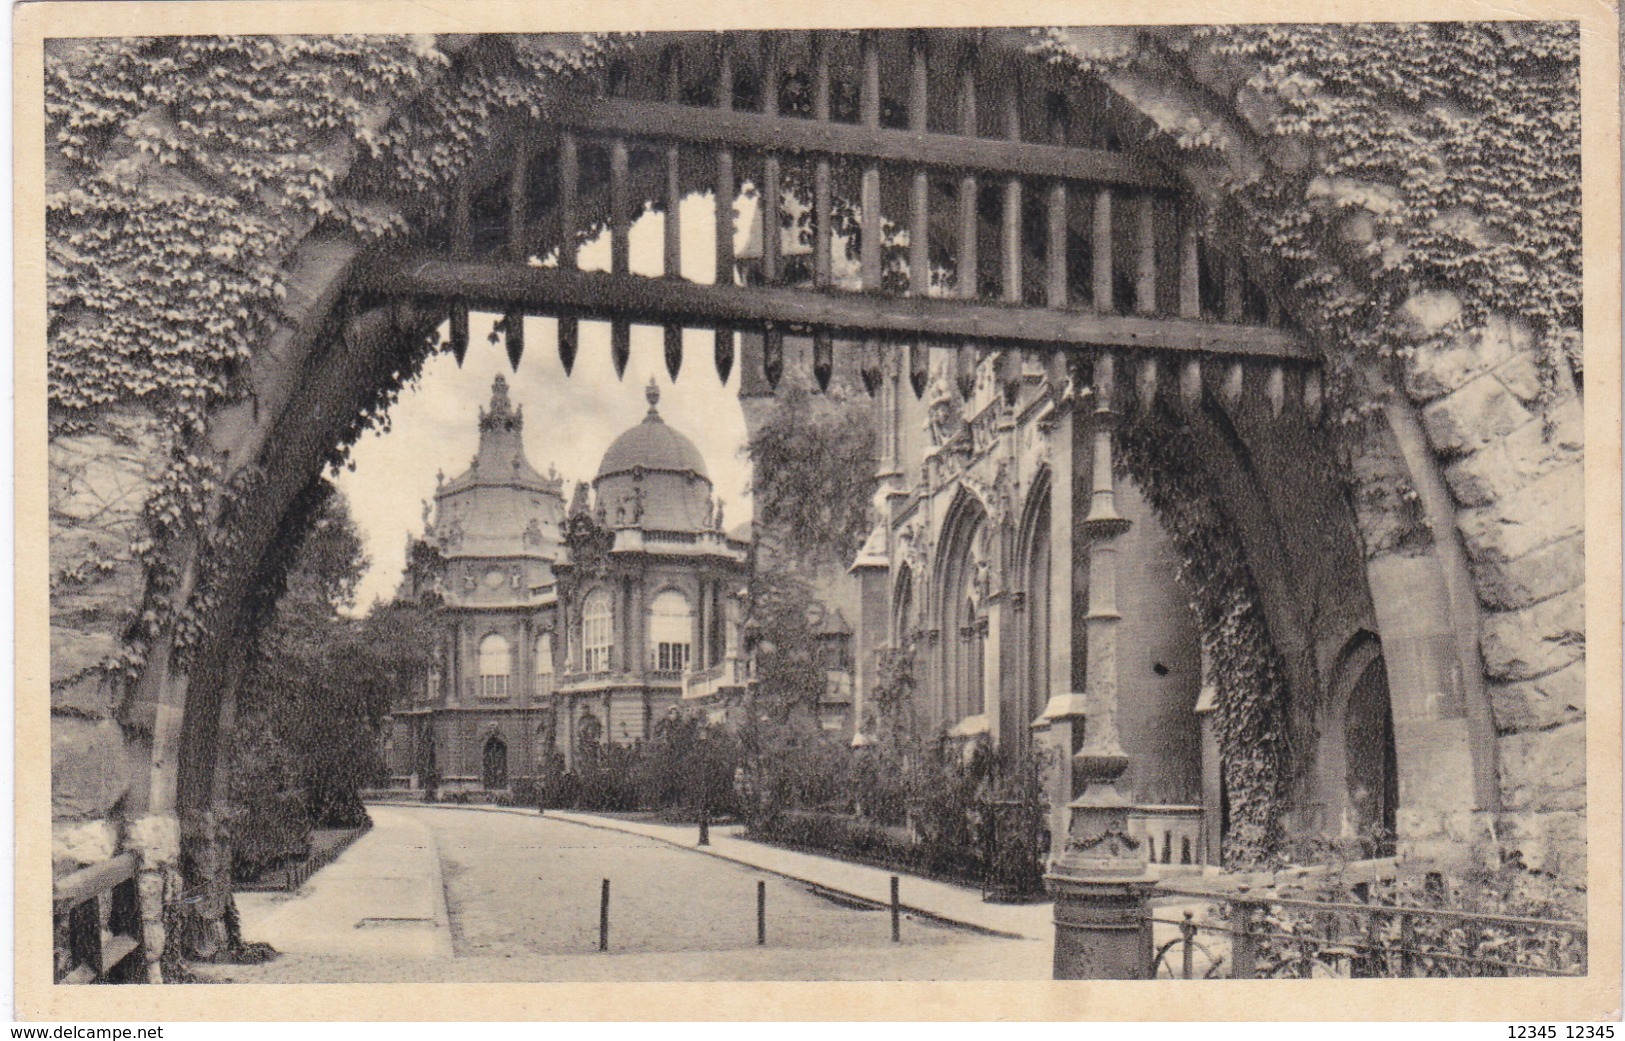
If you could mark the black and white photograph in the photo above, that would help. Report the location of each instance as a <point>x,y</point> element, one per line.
<point>872,502</point>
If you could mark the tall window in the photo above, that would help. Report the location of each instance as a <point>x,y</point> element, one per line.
<point>972,648</point>
<point>671,631</point>
<point>962,560</point>
<point>903,611</point>
<point>494,665</point>
<point>597,631</point>
<point>544,664</point>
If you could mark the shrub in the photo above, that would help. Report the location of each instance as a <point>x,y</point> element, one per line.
<point>1438,945</point>
<point>929,809</point>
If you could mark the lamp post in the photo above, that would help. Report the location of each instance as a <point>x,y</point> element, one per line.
<point>1099,880</point>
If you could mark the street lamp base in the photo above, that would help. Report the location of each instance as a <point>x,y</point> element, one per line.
<point>1102,928</point>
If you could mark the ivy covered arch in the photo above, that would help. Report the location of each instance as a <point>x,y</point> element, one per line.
<point>1411,191</point>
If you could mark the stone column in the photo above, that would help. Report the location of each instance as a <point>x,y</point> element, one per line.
<point>993,665</point>
<point>1061,722</point>
<point>1100,884</point>
<point>698,653</point>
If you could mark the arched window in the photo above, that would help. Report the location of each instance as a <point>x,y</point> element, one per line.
<point>971,661</point>
<point>588,733</point>
<point>671,632</point>
<point>597,631</point>
<point>494,666</point>
<point>1037,581</point>
<point>544,665</point>
<point>903,611</point>
<point>958,605</point>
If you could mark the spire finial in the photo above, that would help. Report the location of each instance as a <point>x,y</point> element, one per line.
<point>652,393</point>
<point>501,415</point>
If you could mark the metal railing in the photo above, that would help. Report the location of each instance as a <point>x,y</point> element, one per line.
<point>96,917</point>
<point>1243,936</point>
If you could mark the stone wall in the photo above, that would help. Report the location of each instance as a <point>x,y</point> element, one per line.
<point>101,475</point>
<point>1513,460</point>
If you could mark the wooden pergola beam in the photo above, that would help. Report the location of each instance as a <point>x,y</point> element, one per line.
<point>505,286</point>
<point>687,124</point>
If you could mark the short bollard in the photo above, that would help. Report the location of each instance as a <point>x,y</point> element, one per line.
<point>603,917</point>
<point>761,913</point>
<point>896,918</point>
<point>705,828</point>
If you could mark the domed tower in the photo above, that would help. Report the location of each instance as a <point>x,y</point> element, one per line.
<point>499,518</point>
<point>654,478</point>
<point>648,591</point>
<point>485,717</point>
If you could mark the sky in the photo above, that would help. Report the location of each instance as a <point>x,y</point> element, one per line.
<point>569,421</point>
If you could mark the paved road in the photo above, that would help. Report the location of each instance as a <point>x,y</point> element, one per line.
<point>522,894</point>
<point>521,885</point>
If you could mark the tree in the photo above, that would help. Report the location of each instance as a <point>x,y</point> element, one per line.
<point>316,694</point>
<point>813,463</point>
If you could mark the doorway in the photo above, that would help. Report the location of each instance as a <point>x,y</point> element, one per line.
<point>1373,769</point>
<point>494,766</point>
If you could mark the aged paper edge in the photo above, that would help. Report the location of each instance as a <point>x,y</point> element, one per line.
<point>1595,997</point>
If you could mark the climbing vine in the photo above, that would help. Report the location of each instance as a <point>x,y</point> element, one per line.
<point>185,171</point>
<point>1399,159</point>
<point>1252,709</point>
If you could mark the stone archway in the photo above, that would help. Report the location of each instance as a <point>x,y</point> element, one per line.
<point>1488,662</point>
<point>1373,786</point>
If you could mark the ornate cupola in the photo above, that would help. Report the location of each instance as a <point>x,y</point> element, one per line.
<point>654,478</point>
<point>500,506</point>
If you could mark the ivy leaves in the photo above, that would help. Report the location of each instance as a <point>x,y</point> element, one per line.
<point>1444,156</point>
<point>1246,665</point>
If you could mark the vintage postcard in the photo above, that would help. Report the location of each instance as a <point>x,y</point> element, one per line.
<point>524,509</point>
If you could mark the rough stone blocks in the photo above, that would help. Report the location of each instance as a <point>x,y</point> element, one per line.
<point>1539,704</point>
<point>1527,454</point>
<point>90,769</point>
<point>1551,508</point>
<point>1536,640</point>
<point>1544,770</point>
<point>1477,415</point>
<point>1537,575</point>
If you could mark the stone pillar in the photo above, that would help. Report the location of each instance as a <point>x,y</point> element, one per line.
<point>874,620</point>
<point>1100,884</point>
<point>1061,722</point>
<point>699,654</point>
<point>637,625</point>
<point>454,694</point>
<point>1207,702</point>
<point>993,665</point>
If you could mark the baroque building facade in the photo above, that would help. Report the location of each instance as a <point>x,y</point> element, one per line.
<point>564,629</point>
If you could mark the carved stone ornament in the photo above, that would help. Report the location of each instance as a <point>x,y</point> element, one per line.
<point>1113,843</point>
<point>942,411</point>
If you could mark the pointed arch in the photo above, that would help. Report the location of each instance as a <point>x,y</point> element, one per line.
<point>903,621</point>
<point>1033,559</point>
<point>1364,782</point>
<point>961,567</point>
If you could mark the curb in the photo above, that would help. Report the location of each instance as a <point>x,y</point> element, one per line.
<point>602,824</point>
